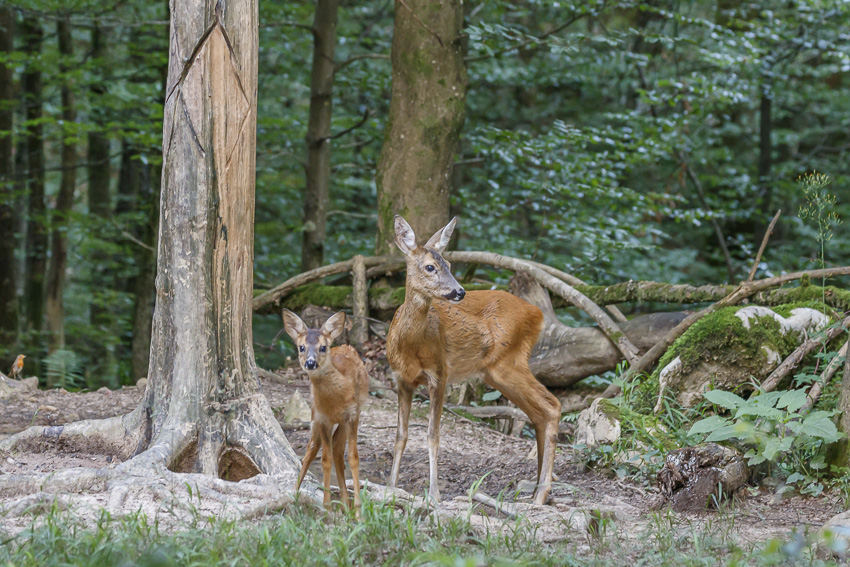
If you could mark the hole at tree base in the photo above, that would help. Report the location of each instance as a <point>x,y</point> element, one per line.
<point>185,462</point>
<point>234,465</point>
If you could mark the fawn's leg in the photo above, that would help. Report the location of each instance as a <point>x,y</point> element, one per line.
<point>543,409</point>
<point>310,454</point>
<point>339,461</point>
<point>327,462</point>
<point>437,392</point>
<point>354,461</point>
<point>405,398</point>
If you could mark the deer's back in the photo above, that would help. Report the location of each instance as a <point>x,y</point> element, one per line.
<point>469,336</point>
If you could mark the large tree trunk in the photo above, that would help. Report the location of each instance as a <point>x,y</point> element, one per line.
<point>203,403</point>
<point>317,192</point>
<point>64,200</point>
<point>36,244</point>
<point>427,111</point>
<point>8,220</point>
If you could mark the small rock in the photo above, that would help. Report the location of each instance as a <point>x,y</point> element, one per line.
<point>690,476</point>
<point>296,409</point>
<point>141,383</point>
<point>46,408</point>
<point>598,424</point>
<point>104,390</point>
<point>10,460</point>
<point>834,536</point>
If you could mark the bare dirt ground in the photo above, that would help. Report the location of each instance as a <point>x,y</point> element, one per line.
<point>468,452</point>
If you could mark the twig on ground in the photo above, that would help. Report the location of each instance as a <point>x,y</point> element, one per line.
<point>817,388</point>
<point>501,507</point>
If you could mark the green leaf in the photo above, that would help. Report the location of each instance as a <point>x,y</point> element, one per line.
<point>724,433</point>
<point>795,477</point>
<point>771,448</point>
<point>708,425</point>
<point>724,399</point>
<point>792,400</point>
<point>766,412</point>
<point>490,396</point>
<point>819,425</point>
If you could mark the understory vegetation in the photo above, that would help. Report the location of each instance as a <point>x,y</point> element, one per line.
<point>384,536</point>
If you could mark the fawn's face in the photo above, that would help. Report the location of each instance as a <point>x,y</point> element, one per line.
<point>313,345</point>
<point>427,271</point>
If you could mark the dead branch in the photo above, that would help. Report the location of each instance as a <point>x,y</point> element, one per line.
<point>501,507</point>
<point>763,245</point>
<point>817,388</point>
<point>771,382</point>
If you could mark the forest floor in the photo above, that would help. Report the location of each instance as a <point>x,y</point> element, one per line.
<point>469,452</point>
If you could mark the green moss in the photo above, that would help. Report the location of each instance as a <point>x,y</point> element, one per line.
<point>317,294</point>
<point>610,410</point>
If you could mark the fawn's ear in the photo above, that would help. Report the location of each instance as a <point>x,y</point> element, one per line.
<point>441,238</point>
<point>334,326</point>
<point>293,324</point>
<point>405,239</point>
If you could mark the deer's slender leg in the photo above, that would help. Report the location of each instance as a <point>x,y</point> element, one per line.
<point>338,440</point>
<point>327,462</point>
<point>310,454</point>
<point>354,461</point>
<point>405,398</point>
<point>543,409</point>
<point>437,392</point>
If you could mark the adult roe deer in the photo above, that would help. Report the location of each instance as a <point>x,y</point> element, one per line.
<point>339,385</point>
<point>442,334</point>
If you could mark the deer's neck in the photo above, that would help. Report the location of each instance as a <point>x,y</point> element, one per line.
<point>412,316</point>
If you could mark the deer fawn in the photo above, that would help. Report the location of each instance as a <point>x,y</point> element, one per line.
<point>339,385</point>
<point>442,334</point>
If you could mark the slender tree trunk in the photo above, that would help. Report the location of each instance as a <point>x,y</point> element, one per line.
<point>36,243</point>
<point>99,206</point>
<point>427,111</point>
<point>98,154</point>
<point>765,150</point>
<point>144,288</point>
<point>317,193</point>
<point>64,200</point>
<point>203,402</point>
<point>8,220</point>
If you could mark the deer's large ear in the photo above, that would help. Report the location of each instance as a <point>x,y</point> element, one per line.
<point>405,239</point>
<point>293,324</point>
<point>441,238</point>
<point>333,327</point>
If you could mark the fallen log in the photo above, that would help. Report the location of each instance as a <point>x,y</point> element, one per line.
<point>388,299</point>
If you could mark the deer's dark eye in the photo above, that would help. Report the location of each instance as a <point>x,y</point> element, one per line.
<point>301,348</point>
<point>323,348</point>
<point>430,267</point>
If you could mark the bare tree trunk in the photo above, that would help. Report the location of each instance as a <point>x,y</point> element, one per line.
<point>8,220</point>
<point>427,111</point>
<point>64,200</point>
<point>765,149</point>
<point>203,403</point>
<point>317,192</point>
<point>36,244</point>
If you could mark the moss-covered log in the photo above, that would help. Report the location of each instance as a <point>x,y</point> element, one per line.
<point>385,299</point>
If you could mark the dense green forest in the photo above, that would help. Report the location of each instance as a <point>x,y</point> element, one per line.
<point>614,140</point>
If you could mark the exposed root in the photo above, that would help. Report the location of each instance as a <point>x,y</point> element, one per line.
<point>117,435</point>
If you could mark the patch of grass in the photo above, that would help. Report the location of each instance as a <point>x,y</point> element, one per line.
<point>385,536</point>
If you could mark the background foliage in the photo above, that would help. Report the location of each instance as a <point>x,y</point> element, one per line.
<point>591,130</point>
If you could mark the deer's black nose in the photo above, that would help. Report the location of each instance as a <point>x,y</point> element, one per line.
<point>311,364</point>
<point>461,294</point>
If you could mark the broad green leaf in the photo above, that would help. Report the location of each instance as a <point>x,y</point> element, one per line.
<point>795,477</point>
<point>708,425</point>
<point>767,412</point>
<point>740,430</point>
<point>792,400</point>
<point>770,449</point>
<point>724,399</point>
<point>820,426</point>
